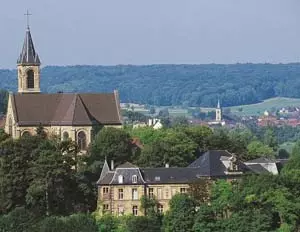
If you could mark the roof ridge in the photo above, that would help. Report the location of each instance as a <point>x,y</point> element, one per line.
<point>75,104</point>
<point>117,101</point>
<point>85,108</point>
<point>61,99</point>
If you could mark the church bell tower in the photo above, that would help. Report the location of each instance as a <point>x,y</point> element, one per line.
<point>28,66</point>
<point>218,112</point>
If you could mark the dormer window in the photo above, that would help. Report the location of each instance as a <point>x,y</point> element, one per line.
<point>134,179</point>
<point>120,179</point>
<point>157,178</point>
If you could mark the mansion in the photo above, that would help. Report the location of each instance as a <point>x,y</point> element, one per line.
<point>73,116</point>
<point>120,189</point>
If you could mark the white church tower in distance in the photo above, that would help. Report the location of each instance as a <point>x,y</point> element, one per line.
<point>219,120</point>
<point>218,112</point>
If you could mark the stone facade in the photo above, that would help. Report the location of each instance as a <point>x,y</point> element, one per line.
<point>26,82</point>
<point>110,201</point>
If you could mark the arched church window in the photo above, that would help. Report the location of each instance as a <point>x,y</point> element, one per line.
<point>30,79</point>
<point>10,126</point>
<point>26,134</point>
<point>81,140</point>
<point>65,136</point>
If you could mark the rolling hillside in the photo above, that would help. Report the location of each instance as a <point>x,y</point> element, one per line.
<point>174,85</point>
<point>259,108</point>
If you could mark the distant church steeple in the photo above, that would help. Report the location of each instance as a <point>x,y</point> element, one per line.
<point>218,112</point>
<point>28,65</point>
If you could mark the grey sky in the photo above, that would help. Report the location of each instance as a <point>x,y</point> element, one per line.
<point>68,32</point>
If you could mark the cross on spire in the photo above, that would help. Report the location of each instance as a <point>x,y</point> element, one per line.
<point>27,15</point>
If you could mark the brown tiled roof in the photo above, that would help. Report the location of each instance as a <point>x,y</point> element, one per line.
<point>66,109</point>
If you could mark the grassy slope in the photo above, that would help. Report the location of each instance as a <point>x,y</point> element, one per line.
<point>259,108</point>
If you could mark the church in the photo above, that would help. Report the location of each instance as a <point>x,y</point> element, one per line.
<point>74,116</point>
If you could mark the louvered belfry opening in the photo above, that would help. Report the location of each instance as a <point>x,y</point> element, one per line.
<point>30,79</point>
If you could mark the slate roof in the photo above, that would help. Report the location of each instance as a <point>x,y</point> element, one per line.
<point>28,55</point>
<point>106,179</point>
<point>257,168</point>
<point>66,109</point>
<point>127,170</point>
<point>210,163</point>
<point>170,175</point>
<point>127,165</point>
<point>261,160</point>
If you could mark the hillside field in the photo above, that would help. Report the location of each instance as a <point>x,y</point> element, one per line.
<point>247,110</point>
<point>259,108</point>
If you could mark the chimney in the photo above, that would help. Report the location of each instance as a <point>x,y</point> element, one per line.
<point>167,165</point>
<point>112,165</point>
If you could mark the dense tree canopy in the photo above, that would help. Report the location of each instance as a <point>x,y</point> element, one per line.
<point>194,85</point>
<point>45,186</point>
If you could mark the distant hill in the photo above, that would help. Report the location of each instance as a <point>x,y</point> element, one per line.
<point>165,85</point>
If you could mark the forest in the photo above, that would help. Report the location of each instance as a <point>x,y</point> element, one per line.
<point>173,85</point>
<point>46,187</point>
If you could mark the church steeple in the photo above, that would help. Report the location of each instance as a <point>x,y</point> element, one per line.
<point>28,55</point>
<point>218,106</point>
<point>28,65</point>
<point>218,112</point>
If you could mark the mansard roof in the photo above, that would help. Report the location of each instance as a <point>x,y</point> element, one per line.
<point>66,109</point>
<point>171,175</point>
<point>212,164</point>
<point>28,55</point>
<point>261,160</point>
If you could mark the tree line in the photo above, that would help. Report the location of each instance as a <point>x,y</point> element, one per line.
<point>166,85</point>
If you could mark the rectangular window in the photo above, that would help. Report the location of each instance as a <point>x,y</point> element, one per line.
<point>157,178</point>
<point>134,179</point>
<point>135,210</point>
<point>151,194</point>
<point>105,207</point>
<point>120,179</point>
<point>105,190</point>
<point>182,190</point>
<point>121,194</point>
<point>160,209</point>
<point>167,193</point>
<point>120,210</point>
<point>159,193</point>
<point>135,194</point>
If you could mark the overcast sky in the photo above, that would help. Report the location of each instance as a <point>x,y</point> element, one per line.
<point>107,32</point>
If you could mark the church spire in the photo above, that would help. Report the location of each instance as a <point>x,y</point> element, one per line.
<point>218,106</point>
<point>28,65</point>
<point>28,55</point>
